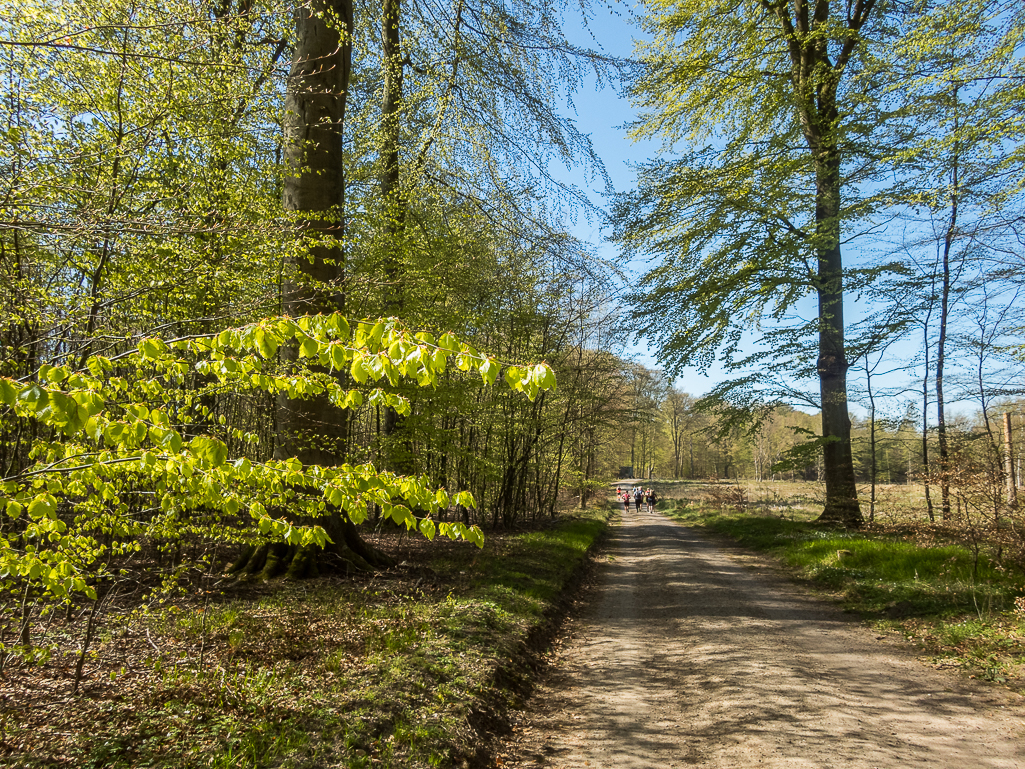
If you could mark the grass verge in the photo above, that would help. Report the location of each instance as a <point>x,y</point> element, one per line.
<point>410,668</point>
<point>960,608</point>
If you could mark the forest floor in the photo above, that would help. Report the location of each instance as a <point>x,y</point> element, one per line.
<point>412,667</point>
<point>693,652</point>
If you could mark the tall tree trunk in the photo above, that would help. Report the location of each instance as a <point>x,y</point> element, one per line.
<point>815,74</point>
<point>315,190</point>
<point>391,180</point>
<point>948,240</point>
<point>313,430</point>
<point>925,419</point>
<point>838,459</point>
<point>399,457</point>
<point>1012,487</point>
<point>874,469</point>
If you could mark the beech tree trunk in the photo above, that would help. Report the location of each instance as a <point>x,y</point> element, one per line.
<point>941,343</point>
<point>815,73</point>
<point>837,458</point>
<point>313,430</point>
<point>1012,488</point>
<point>398,455</point>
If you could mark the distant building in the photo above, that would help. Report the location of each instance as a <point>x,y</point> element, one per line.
<point>627,471</point>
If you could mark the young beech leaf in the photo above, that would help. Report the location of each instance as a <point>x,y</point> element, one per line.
<point>209,450</point>
<point>489,371</point>
<point>449,342</point>
<point>320,537</point>
<point>89,404</point>
<point>266,342</point>
<point>339,325</point>
<point>33,397</point>
<point>358,371</point>
<point>114,433</point>
<point>43,506</point>
<point>286,328</point>
<point>172,440</point>
<point>62,408</point>
<point>56,374</point>
<point>8,391</point>
<point>309,348</point>
<point>390,371</point>
<point>377,332</point>
<point>513,375</point>
<point>338,356</point>
<point>152,349</point>
<point>465,498</point>
<point>439,359</point>
<point>375,365</point>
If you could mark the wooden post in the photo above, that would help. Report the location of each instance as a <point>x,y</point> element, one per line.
<point>1012,490</point>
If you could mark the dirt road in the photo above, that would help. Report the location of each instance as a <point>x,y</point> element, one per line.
<point>687,655</point>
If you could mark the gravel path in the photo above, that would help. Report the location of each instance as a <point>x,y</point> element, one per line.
<point>685,654</point>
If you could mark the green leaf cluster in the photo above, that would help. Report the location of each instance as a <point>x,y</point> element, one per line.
<point>123,460</point>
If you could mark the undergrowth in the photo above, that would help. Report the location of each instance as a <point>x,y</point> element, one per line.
<point>397,670</point>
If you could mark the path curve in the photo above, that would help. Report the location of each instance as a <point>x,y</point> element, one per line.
<point>684,654</point>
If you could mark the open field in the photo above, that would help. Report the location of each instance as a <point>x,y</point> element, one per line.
<point>407,667</point>
<point>894,502</point>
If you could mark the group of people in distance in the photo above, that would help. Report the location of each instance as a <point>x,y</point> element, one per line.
<point>640,497</point>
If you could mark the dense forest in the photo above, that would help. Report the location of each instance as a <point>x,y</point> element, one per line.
<point>182,182</point>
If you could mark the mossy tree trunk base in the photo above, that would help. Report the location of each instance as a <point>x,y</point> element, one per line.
<point>347,553</point>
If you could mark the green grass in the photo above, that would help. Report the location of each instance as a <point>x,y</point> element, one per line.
<point>390,672</point>
<point>958,609</point>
